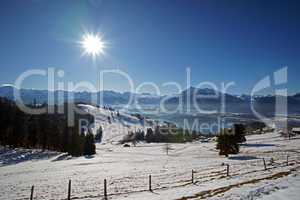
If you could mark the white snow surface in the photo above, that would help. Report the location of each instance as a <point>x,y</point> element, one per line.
<point>127,169</point>
<point>117,127</point>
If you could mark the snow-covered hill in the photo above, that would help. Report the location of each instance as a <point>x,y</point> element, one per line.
<point>115,124</point>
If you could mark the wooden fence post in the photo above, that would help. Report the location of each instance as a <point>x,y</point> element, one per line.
<point>227,169</point>
<point>105,189</point>
<point>69,190</point>
<point>31,194</point>
<point>265,165</point>
<point>150,182</point>
<point>192,176</point>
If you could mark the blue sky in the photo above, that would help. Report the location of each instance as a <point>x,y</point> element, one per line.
<point>221,41</point>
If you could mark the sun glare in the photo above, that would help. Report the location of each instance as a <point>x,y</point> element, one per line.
<point>93,44</point>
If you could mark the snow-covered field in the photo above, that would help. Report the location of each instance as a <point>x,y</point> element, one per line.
<point>127,169</point>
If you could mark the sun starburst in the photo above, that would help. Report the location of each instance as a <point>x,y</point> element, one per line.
<point>93,45</point>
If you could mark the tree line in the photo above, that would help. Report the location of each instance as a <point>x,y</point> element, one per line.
<point>161,134</point>
<point>44,131</point>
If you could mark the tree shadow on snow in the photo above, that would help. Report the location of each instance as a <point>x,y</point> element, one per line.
<point>9,156</point>
<point>242,158</point>
<point>258,145</point>
<point>89,156</point>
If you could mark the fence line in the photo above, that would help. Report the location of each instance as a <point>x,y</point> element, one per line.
<point>197,175</point>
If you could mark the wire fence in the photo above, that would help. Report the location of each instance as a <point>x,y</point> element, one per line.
<point>181,178</point>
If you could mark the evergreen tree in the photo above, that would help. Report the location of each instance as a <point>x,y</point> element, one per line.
<point>33,129</point>
<point>99,134</point>
<point>239,132</point>
<point>89,145</point>
<point>65,138</point>
<point>76,144</point>
<point>227,143</point>
<point>149,135</point>
<point>140,135</point>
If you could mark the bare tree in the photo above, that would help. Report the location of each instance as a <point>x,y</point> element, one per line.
<point>167,148</point>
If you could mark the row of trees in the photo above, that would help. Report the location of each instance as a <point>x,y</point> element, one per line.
<point>161,135</point>
<point>45,131</point>
<point>174,135</point>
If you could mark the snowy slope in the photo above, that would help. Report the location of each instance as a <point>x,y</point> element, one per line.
<point>127,171</point>
<point>117,127</point>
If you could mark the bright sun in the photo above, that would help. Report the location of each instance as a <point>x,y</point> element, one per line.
<point>93,44</point>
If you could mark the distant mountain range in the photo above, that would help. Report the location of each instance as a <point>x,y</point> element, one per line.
<point>209,98</point>
<point>204,98</point>
<point>30,96</point>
